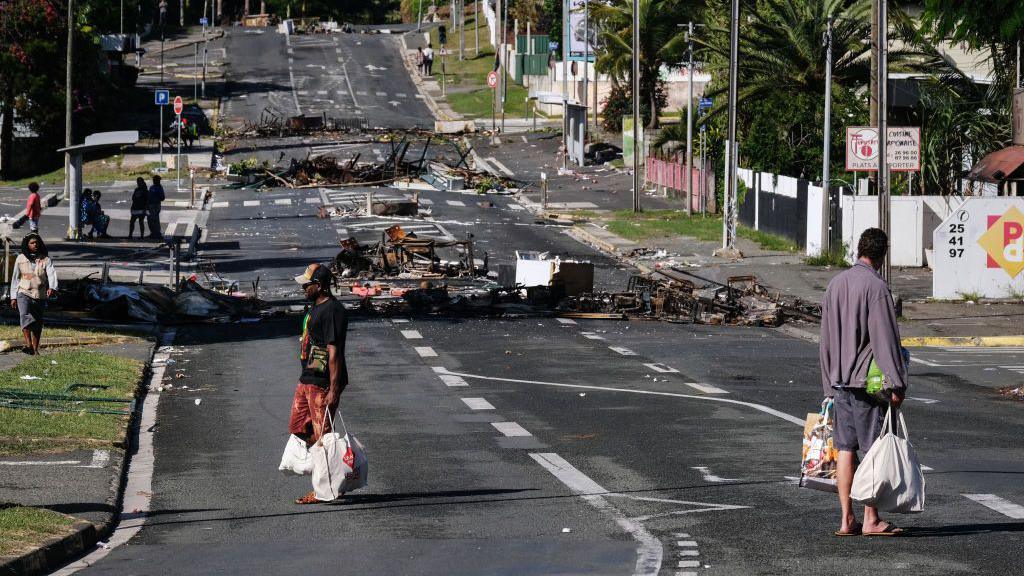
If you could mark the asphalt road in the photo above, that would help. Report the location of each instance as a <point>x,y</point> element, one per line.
<point>538,446</point>
<point>355,78</point>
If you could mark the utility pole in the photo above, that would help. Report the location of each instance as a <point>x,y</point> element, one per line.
<point>504,60</point>
<point>883,134</point>
<point>419,15</point>
<point>462,29</point>
<point>637,120</point>
<point>476,28</point>
<point>827,147</point>
<point>689,117</point>
<point>70,191</point>
<point>586,65</point>
<point>728,216</point>
<point>206,46</point>
<point>873,78</point>
<point>122,18</point>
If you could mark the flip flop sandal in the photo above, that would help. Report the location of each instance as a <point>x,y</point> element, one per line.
<point>308,499</point>
<point>892,530</point>
<point>856,532</point>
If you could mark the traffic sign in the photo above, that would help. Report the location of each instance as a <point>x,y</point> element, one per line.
<point>492,79</point>
<point>705,103</point>
<point>203,21</point>
<point>552,46</point>
<point>163,97</point>
<point>178,105</point>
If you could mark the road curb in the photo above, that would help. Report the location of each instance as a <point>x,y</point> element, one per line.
<point>53,552</point>
<point>604,241</point>
<point>435,109</point>
<point>57,552</point>
<point>963,341</point>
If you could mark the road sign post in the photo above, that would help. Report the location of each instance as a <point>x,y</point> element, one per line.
<point>492,83</point>
<point>179,106</point>
<point>162,98</point>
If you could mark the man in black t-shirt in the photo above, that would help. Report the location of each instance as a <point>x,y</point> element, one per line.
<point>322,360</point>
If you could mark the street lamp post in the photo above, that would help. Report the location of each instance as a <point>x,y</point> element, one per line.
<point>70,190</point>
<point>729,213</point>
<point>826,149</point>
<point>586,63</point>
<point>883,133</point>
<point>636,106</point>
<point>689,117</point>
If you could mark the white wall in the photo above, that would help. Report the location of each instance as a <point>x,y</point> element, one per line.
<point>906,230</point>
<point>817,224</point>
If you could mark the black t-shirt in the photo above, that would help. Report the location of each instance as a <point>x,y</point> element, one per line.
<point>324,324</point>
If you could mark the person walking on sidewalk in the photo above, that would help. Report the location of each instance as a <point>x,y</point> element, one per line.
<point>153,201</point>
<point>34,280</point>
<point>858,324</point>
<point>33,207</point>
<point>322,359</point>
<point>420,59</point>
<point>140,200</point>
<point>428,60</point>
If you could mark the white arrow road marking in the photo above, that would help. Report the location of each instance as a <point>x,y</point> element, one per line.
<point>709,477</point>
<point>373,68</point>
<point>1004,507</point>
<point>394,102</point>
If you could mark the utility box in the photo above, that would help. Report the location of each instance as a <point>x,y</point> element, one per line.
<point>538,269</point>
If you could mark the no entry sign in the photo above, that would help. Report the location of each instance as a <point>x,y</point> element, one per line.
<point>178,105</point>
<point>492,79</point>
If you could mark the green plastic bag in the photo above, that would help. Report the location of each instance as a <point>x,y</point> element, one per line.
<point>875,384</point>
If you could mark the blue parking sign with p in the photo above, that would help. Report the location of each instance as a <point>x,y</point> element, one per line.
<point>163,97</point>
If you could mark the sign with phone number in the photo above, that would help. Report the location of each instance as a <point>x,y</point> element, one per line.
<point>979,249</point>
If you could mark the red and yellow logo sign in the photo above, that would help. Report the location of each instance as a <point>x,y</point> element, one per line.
<point>1004,241</point>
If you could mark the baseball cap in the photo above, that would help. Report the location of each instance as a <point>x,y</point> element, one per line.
<point>315,273</point>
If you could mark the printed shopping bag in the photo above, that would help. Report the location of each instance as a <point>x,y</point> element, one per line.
<point>339,464</point>
<point>819,455</point>
<point>890,477</point>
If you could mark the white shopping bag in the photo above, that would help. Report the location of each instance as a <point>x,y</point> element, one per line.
<point>339,464</point>
<point>296,458</point>
<point>890,477</point>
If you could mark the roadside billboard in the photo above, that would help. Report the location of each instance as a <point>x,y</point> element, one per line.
<point>979,249</point>
<point>903,148</point>
<point>575,32</point>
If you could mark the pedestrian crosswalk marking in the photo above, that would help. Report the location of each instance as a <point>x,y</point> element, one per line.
<point>622,350</point>
<point>251,203</point>
<point>1001,505</point>
<point>706,388</point>
<point>426,352</point>
<point>283,201</point>
<point>456,203</point>
<point>312,200</point>
<point>477,403</point>
<point>219,205</point>
<point>511,429</point>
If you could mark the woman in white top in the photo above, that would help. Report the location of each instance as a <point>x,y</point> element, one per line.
<point>34,281</point>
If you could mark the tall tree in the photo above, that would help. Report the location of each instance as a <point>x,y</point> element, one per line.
<point>995,26</point>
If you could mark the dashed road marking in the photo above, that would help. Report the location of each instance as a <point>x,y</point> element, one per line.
<point>283,201</point>
<point>566,321</point>
<point>622,350</point>
<point>510,429</point>
<point>705,388</point>
<point>250,203</point>
<point>312,200</point>
<point>426,352</point>
<point>1001,505</point>
<point>412,334</point>
<point>477,403</point>
<point>219,205</point>
<point>398,320</point>
<point>664,369</point>
<point>452,380</point>
<point>515,206</point>
<point>688,553</point>
<point>591,336</point>
<point>686,544</point>
<point>456,203</point>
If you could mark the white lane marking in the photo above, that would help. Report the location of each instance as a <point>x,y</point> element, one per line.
<point>1001,505</point>
<point>516,207</point>
<point>923,400</point>
<point>399,320</point>
<point>342,231</point>
<point>689,563</point>
<point>686,544</point>
<point>312,200</point>
<point>100,458</point>
<point>591,336</point>
<point>456,203</point>
<point>525,141</point>
<point>705,388</point>
<point>426,352</point>
<point>925,362</point>
<point>622,350</point>
<point>477,403</point>
<point>709,477</point>
<point>361,92</point>
<point>688,553</point>
<point>382,94</point>
<point>39,462</point>
<point>295,95</point>
<point>283,201</point>
<point>664,369</point>
<point>649,551</point>
<point>510,429</point>
<point>500,166</point>
<point>250,203</point>
<point>399,95</point>
<point>681,535</point>
<point>566,321</point>
<point>926,468</point>
<point>412,334</point>
<point>758,407</point>
<point>440,369</point>
<point>219,205</point>
<point>139,486</point>
<point>452,381</point>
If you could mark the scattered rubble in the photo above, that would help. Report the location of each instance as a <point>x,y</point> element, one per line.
<point>401,254</point>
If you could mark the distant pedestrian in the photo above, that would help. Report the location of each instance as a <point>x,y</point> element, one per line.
<point>85,208</point>
<point>420,59</point>
<point>140,199</point>
<point>99,220</point>
<point>33,207</point>
<point>34,280</point>
<point>428,60</point>
<point>858,325</point>
<point>153,201</point>
<point>322,358</point>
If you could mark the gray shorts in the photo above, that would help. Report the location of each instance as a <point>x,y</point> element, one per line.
<point>858,420</point>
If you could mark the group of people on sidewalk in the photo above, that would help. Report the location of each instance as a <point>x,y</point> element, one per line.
<point>145,208</point>
<point>425,60</point>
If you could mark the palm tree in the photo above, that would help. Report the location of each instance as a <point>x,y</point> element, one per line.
<point>662,43</point>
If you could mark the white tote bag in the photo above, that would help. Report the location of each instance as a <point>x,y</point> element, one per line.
<point>339,463</point>
<point>890,477</point>
<point>296,459</point>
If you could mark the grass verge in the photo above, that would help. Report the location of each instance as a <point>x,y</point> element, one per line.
<point>104,170</point>
<point>25,430</point>
<point>835,258</point>
<point>22,528</point>
<point>659,223</point>
<point>13,332</point>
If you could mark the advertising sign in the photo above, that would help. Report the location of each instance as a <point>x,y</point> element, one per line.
<point>576,30</point>
<point>627,142</point>
<point>979,249</point>
<point>904,148</point>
